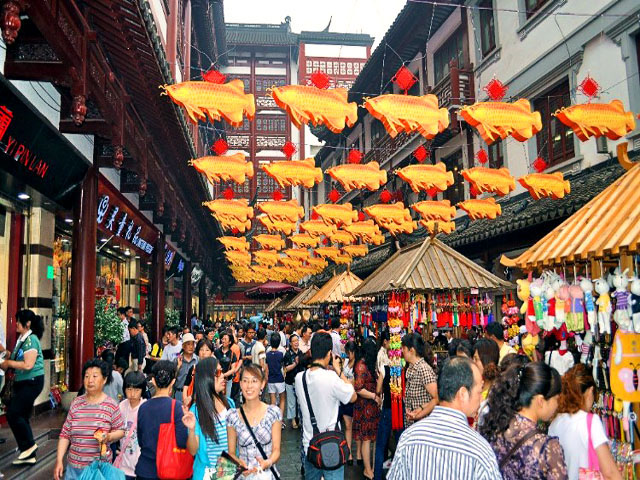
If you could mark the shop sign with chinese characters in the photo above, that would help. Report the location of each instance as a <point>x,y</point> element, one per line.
<point>118,217</point>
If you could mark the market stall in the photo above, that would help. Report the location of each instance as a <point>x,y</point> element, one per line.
<point>591,269</point>
<point>296,308</point>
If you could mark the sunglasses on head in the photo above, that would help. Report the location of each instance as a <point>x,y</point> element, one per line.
<point>218,372</point>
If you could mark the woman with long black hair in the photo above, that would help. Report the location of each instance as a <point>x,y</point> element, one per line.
<point>520,398</point>
<point>366,410</point>
<point>206,420</point>
<point>28,363</point>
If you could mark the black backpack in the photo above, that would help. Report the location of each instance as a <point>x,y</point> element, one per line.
<point>327,450</point>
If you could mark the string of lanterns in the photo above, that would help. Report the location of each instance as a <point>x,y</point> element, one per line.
<point>339,224</point>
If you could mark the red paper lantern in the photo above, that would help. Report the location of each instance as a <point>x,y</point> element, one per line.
<point>482,156</point>
<point>235,231</point>
<point>421,153</point>
<point>589,87</point>
<point>320,79</point>
<point>228,193</point>
<point>220,146</point>
<point>539,164</point>
<point>385,196</point>
<point>214,76</point>
<point>432,192</point>
<point>361,216</point>
<point>404,79</point>
<point>354,156</point>
<point>277,195</point>
<point>288,149</point>
<point>495,89</point>
<point>314,215</point>
<point>334,195</point>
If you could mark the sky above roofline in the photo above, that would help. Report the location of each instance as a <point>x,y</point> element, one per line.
<point>372,17</point>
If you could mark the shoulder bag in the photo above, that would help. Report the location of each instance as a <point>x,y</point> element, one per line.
<point>255,440</point>
<point>593,471</point>
<point>516,447</point>
<point>172,462</point>
<point>327,450</point>
<point>10,377</point>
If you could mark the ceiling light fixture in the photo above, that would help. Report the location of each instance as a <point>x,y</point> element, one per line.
<point>24,196</point>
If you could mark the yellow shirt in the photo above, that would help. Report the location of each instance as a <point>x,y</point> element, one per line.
<point>505,350</point>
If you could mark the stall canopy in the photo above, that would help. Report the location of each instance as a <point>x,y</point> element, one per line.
<point>337,289</point>
<point>588,233</point>
<point>274,304</point>
<point>270,289</point>
<point>428,266</point>
<point>299,301</point>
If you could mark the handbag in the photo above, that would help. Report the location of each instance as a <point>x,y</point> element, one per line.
<point>99,470</point>
<point>593,471</point>
<point>10,377</point>
<point>172,463</point>
<point>327,450</point>
<point>255,440</point>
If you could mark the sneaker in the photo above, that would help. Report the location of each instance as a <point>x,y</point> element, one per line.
<point>294,425</point>
<point>386,465</point>
<point>28,452</point>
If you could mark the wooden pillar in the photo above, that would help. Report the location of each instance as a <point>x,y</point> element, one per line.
<point>83,277</point>
<point>14,290</point>
<point>172,37</point>
<point>157,288</point>
<point>186,293</point>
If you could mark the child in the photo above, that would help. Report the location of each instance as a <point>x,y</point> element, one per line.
<point>276,378</point>
<point>135,383</point>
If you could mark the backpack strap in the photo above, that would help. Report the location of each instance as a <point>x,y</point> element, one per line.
<point>517,445</point>
<point>314,424</point>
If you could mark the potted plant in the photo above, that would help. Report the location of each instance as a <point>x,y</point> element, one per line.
<point>107,327</point>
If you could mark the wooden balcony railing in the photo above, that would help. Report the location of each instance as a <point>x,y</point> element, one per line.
<point>384,147</point>
<point>455,89</point>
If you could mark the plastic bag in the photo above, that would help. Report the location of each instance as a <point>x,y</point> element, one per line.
<point>101,471</point>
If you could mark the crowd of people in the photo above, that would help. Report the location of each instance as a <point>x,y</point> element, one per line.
<point>486,411</point>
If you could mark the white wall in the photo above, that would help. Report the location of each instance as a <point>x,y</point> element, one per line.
<point>335,51</point>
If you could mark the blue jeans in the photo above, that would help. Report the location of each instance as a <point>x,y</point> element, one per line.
<point>382,439</point>
<point>313,473</point>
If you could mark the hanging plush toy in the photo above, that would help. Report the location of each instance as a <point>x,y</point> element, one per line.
<point>575,317</point>
<point>621,313</point>
<point>589,304</point>
<point>562,304</point>
<point>604,306</point>
<point>634,303</point>
<point>550,296</point>
<point>534,313</point>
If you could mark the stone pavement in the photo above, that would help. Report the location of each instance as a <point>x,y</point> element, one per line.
<point>289,464</point>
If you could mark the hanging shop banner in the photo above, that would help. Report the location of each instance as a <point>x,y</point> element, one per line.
<point>34,152</point>
<point>169,256</point>
<point>118,217</point>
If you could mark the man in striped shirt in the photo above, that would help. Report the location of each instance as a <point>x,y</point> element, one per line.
<point>442,446</point>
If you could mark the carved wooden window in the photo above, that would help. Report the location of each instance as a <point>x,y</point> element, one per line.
<point>555,140</point>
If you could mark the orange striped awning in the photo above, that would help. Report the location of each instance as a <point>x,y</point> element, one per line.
<point>605,227</point>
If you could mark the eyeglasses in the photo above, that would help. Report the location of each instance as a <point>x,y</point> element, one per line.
<point>250,381</point>
<point>218,372</point>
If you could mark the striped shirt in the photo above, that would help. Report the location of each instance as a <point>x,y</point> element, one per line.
<point>208,450</point>
<point>442,447</point>
<point>82,422</point>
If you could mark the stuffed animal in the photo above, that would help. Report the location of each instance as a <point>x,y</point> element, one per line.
<point>536,288</point>
<point>575,317</point>
<point>634,303</point>
<point>523,293</point>
<point>589,304</point>
<point>550,296</point>
<point>621,313</point>
<point>585,346</point>
<point>604,305</point>
<point>562,304</point>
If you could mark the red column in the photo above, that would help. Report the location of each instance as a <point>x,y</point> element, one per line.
<point>14,289</point>
<point>83,276</point>
<point>157,288</point>
<point>186,293</point>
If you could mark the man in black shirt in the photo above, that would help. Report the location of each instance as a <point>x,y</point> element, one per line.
<point>138,348</point>
<point>293,361</point>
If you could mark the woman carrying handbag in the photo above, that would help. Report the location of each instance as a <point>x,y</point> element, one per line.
<point>581,434</point>
<point>255,429</point>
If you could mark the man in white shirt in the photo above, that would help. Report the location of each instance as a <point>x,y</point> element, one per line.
<point>337,347</point>
<point>122,315</point>
<point>174,347</point>
<point>259,352</point>
<point>327,390</point>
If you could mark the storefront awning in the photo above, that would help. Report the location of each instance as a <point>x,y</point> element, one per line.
<point>300,300</point>
<point>428,266</point>
<point>270,289</point>
<point>606,226</point>
<point>337,289</point>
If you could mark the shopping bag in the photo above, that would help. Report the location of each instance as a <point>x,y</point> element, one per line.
<point>172,463</point>
<point>101,471</point>
<point>226,469</point>
<point>593,471</point>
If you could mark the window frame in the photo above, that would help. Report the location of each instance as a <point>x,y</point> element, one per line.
<point>531,11</point>
<point>458,179</point>
<point>483,13</point>
<point>546,106</point>
<point>457,35</point>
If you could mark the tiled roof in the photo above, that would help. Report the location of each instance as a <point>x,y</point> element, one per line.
<point>336,38</point>
<point>337,289</point>
<point>522,211</point>
<point>428,266</point>
<point>299,301</point>
<point>260,34</point>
